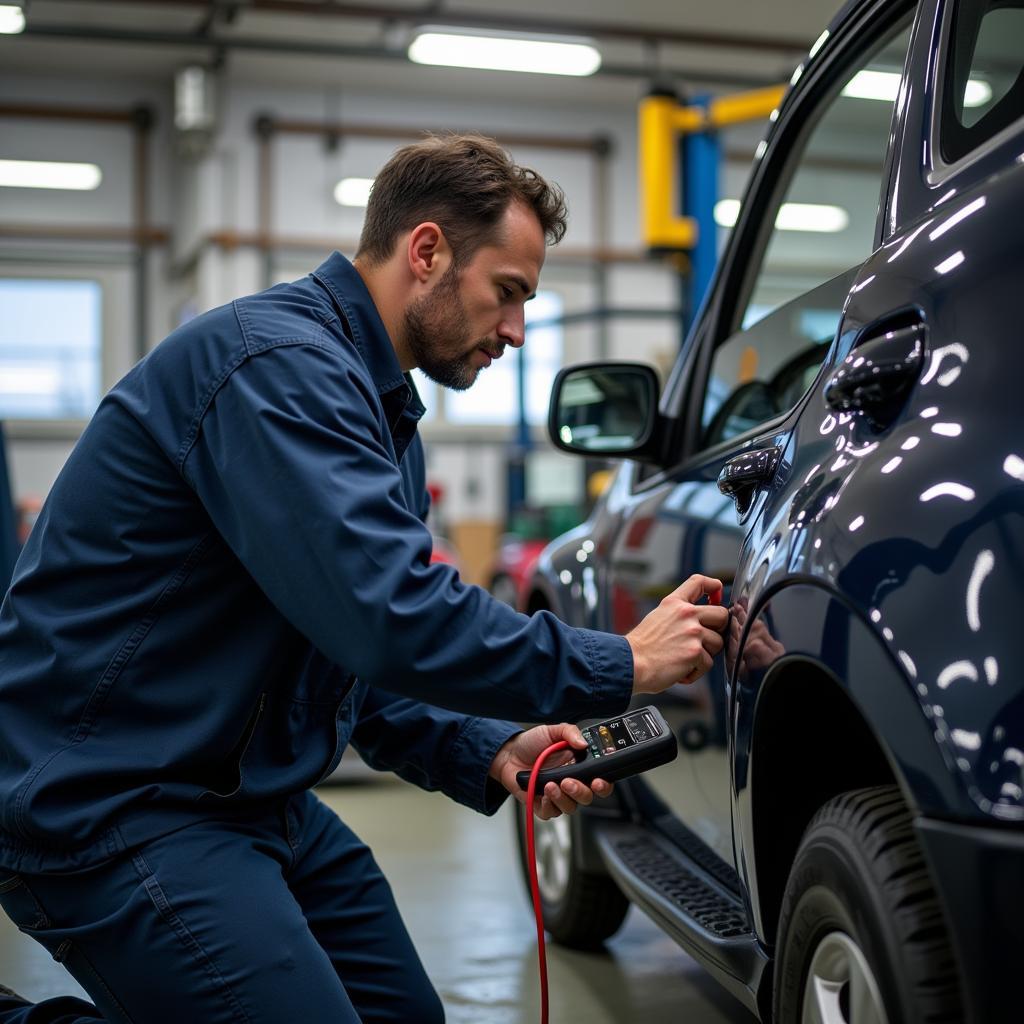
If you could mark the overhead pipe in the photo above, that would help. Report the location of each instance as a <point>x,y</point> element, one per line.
<point>430,12</point>
<point>230,240</point>
<point>148,236</point>
<point>43,113</point>
<point>224,43</point>
<point>266,127</point>
<point>337,130</point>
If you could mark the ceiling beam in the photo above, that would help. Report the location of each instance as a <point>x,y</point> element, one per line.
<point>787,46</point>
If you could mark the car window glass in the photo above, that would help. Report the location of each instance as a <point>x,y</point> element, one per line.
<point>823,227</point>
<point>983,88</point>
<point>765,370</point>
<point>825,220</point>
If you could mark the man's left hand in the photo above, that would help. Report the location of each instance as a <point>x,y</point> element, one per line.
<point>519,753</point>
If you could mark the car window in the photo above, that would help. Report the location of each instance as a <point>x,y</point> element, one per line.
<point>824,221</point>
<point>983,86</point>
<point>764,371</point>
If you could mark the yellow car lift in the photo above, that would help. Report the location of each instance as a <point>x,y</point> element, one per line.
<point>678,195</point>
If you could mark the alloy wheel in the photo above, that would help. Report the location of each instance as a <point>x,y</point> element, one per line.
<point>554,857</point>
<point>841,987</point>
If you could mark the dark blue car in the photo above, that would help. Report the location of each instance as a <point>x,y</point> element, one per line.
<point>841,441</point>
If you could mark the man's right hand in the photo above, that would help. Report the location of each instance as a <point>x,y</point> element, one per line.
<point>677,641</point>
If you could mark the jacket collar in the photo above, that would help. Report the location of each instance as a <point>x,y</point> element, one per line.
<point>364,326</point>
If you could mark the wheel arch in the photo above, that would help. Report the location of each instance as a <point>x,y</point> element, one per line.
<point>834,713</point>
<point>796,767</point>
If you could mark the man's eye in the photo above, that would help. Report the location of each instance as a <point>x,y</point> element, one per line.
<point>506,292</point>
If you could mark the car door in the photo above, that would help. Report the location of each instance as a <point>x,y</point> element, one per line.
<point>769,322</point>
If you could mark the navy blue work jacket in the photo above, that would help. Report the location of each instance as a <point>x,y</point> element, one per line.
<point>231,580</point>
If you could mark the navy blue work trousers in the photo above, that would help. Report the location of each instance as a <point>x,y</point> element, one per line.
<point>284,918</point>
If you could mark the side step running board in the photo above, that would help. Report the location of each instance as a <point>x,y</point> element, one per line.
<point>702,915</point>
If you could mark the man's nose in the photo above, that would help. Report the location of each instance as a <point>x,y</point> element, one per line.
<point>512,330</point>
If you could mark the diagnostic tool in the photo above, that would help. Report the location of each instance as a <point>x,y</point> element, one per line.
<point>615,749</point>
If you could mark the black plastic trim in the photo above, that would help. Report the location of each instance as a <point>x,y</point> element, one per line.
<point>703,916</point>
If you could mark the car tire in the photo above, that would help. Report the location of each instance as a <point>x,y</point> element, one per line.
<point>581,908</point>
<point>861,928</point>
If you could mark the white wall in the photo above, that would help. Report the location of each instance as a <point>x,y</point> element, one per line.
<point>193,198</point>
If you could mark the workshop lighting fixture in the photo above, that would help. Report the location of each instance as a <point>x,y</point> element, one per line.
<point>543,55</point>
<point>353,191</point>
<point>818,217</point>
<point>49,174</point>
<point>195,110</point>
<point>885,85</point>
<point>12,18</point>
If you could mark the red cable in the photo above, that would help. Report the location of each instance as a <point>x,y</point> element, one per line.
<point>531,856</point>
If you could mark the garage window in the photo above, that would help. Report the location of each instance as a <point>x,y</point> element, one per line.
<point>983,88</point>
<point>50,348</point>
<point>493,398</point>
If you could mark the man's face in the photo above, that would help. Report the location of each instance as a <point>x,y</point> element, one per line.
<point>471,314</point>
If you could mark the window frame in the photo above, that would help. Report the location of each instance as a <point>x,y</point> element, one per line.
<point>116,353</point>
<point>938,168</point>
<point>819,83</point>
<point>443,422</point>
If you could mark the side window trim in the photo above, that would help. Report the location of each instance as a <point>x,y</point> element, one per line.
<point>683,400</point>
<point>938,170</point>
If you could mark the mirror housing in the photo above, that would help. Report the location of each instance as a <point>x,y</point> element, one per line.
<point>607,410</point>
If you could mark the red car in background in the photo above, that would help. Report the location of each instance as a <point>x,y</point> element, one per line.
<point>513,567</point>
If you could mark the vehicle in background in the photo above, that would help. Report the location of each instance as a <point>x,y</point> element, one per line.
<point>442,551</point>
<point>842,836</point>
<point>513,566</point>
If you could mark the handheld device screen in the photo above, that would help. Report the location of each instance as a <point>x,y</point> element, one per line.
<point>635,742</point>
<point>620,733</point>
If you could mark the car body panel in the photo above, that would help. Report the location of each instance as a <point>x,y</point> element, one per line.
<point>876,576</point>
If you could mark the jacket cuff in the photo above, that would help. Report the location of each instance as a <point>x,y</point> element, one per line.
<point>472,754</point>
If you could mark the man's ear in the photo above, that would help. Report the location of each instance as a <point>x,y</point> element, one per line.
<point>428,252</point>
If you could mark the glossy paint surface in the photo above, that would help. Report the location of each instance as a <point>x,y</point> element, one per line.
<point>886,550</point>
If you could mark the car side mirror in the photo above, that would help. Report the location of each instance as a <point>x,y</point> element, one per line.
<point>605,409</point>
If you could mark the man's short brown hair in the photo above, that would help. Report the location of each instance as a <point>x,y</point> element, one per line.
<point>462,182</point>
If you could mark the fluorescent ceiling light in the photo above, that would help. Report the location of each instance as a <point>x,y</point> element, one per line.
<point>49,174</point>
<point>12,19</point>
<point>353,191</point>
<point>791,217</point>
<point>885,85</point>
<point>977,93</point>
<point>873,85</point>
<point>538,55</point>
<point>727,212</point>
<point>811,217</point>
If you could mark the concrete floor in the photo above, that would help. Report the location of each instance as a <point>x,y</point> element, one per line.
<point>474,927</point>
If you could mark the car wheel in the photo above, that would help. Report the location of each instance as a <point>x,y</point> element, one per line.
<point>581,909</point>
<point>861,934</point>
<point>504,589</point>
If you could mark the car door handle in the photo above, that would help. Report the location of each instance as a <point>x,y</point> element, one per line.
<point>743,474</point>
<point>877,374</point>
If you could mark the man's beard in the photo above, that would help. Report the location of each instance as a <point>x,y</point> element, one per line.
<point>438,335</point>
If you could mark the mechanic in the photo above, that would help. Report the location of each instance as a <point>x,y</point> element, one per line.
<point>230,581</point>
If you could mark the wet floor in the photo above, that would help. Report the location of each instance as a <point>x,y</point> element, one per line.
<point>455,877</point>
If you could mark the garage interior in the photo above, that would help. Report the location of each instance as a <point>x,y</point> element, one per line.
<point>223,146</point>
